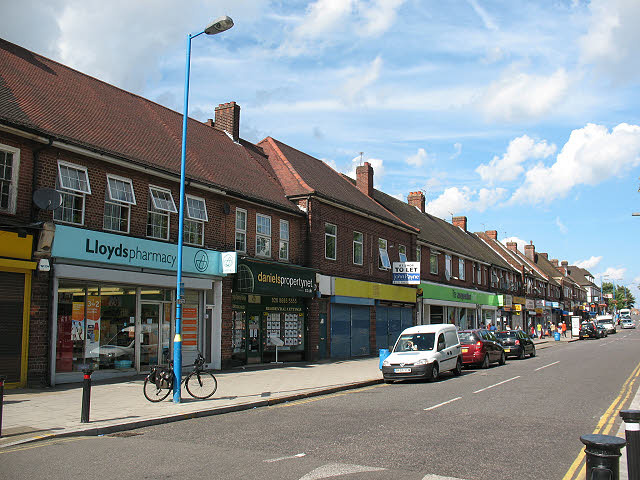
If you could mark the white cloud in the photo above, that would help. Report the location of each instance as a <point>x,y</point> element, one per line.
<point>489,23</point>
<point>561,226</point>
<point>360,79</point>
<point>419,158</point>
<point>376,163</point>
<point>331,163</point>
<point>455,201</point>
<point>400,196</point>
<point>435,181</point>
<point>457,150</point>
<point>521,243</point>
<point>589,263</point>
<point>323,16</point>
<point>379,15</point>
<point>591,156</point>
<point>616,274</point>
<point>613,37</point>
<point>509,167</point>
<point>520,96</point>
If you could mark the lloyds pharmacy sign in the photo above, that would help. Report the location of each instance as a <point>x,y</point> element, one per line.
<point>79,244</point>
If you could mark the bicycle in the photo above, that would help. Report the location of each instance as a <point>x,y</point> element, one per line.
<point>199,383</point>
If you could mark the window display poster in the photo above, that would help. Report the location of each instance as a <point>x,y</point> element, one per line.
<point>93,326</point>
<point>190,327</point>
<point>77,321</point>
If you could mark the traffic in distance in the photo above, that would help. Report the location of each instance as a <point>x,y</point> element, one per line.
<point>426,351</point>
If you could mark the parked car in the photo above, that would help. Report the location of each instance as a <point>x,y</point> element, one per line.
<point>628,323</point>
<point>481,347</point>
<point>607,322</point>
<point>424,351</point>
<point>602,329</point>
<point>516,343</point>
<point>588,329</point>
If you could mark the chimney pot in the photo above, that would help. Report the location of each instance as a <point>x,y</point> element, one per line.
<point>460,222</point>
<point>364,179</point>
<point>492,234</point>
<point>513,246</point>
<point>530,252</point>
<point>564,263</point>
<point>544,255</point>
<point>554,262</point>
<point>416,199</point>
<point>228,119</point>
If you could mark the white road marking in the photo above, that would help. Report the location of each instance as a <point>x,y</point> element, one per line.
<point>297,455</point>
<point>443,403</point>
<point>438,477</point>
<point>546,366</point>
<point>495,385</point>
<point>338,469</point>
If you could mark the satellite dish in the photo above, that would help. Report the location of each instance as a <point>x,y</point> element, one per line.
<point>47,199</point>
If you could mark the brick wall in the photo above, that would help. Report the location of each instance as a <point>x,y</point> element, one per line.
<point>39,331</point>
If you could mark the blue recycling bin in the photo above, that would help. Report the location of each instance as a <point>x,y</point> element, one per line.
<point>556,336</point>
<point>384,353</point>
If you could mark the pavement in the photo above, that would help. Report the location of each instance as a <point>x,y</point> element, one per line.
<point>117,405</point>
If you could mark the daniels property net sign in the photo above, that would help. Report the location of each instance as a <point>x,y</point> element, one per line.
<point>406,273</point>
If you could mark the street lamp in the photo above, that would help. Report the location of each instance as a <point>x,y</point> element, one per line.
<point>217,26</point>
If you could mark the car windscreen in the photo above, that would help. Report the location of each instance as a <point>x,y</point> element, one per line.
<point>467,338</point>
<point>506,334</point>
<point>415,342</point>
<point>602,322</point>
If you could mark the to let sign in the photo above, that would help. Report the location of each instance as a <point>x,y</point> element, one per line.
<point>406,273</point>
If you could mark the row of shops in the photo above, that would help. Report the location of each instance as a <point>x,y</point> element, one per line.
<point>112,304</point>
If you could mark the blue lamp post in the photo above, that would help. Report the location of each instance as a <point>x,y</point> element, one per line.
<point>217,26</point>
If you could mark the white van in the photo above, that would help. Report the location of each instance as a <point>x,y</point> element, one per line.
<point>423,352</point>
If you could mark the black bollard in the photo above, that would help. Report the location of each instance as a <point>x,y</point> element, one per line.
<point>632,433</point>
<point>86,396</point>
<point>603,456</point>
<point>2,379</point>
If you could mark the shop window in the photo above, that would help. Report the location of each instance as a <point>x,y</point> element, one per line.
<point>402,253</point>
<point>358,248</point>
<point>193,229</point>
<point>384,263</point>
<point>241,230</point>
<point>284,240</point>
<point>330,241</point>
<point>461,272</point>
<point>157,221</point>
<point>119,196</point>
<point>73,184</point>
<point>263,235</point>
<point>9,168</point>
<point>433,263</point>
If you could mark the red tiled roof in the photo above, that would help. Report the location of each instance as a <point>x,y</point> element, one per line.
<point>45,97</point>
<point>302,174</point>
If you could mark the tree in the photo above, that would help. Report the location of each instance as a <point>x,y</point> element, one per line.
<point>623,297</point>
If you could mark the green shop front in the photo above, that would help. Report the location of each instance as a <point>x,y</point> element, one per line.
<point>270,312</point>
<point>462,307</point>
<point>115,301</point>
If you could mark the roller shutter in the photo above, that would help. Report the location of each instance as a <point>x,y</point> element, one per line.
<point>11,324</point>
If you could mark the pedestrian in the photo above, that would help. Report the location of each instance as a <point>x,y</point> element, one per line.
<point>539,327</point>
<point>564,329</point>
<point>552,329</point>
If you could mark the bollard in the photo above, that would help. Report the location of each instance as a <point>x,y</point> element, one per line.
<point>86,396</point>
<point>2,379</point>
<point>603,456</point>
<point>632,433</point>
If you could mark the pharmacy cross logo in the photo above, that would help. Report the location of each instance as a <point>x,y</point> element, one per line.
<point>201,260</point>
<point>228,261</point>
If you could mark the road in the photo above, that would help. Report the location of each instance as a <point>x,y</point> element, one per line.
<point>523,419</point>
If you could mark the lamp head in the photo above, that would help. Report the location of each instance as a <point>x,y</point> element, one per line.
<point>219,25</point>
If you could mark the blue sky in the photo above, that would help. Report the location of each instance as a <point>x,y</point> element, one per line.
<point>523,116</point>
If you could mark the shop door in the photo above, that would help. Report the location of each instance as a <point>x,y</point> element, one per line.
<point>149,342</point>
<point>254,343</point>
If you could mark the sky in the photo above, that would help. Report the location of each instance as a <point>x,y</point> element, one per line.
<point>523,116</point>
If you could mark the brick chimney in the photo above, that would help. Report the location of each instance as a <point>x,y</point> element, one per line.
<point>564,263</point>
<point>513,246</point>
<point>416,199</point>
<point>460,222</point>
<point>554,262</point>
<point>228,119</point>
<point>364,179</point>
<point>492,234</point>
<point>530,252</point>
<point>544,255</point>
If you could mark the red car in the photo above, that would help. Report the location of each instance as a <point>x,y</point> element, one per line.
<point>481,347</point>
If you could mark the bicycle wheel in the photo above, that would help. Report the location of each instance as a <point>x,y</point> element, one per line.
<point>155,394</point>
<point>201,384</point>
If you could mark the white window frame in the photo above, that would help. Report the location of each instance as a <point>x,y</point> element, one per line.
<point>284,240</point>
<point>402,253</point>
<point>384,263</point>
<point>81,168</point>
<point>461,267</point>
<point>479,275</point>
<point>108,203</point>
<point>261,236</point>
<point>328,236</point>
<point>126,181</point>
<point>361,243</point>
<point>194,220</point>
<point>447,265</point>
<point>13,183</point>
<point>241,231</point>
<point>433,255</point>
<point>171,208</point>
<point>418,253</point>
<point>191,215</point>
<point>152,212</point>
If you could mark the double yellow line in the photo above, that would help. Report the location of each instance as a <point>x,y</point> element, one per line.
<point>605,424</point>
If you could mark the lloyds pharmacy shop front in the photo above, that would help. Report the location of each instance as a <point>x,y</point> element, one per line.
<point>115,303</point>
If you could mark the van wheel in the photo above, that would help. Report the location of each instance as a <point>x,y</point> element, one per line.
<point>458,370</point>
<point>434,372</point>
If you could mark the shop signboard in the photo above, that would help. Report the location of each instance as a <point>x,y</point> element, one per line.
<point>519,300</point>
<point>539,303</point>
<point>438,292</point>
<point>406,273</point>
<point>89,245</point>
<point>264,278</point>
<point>517,307</point>
<point>530,304</point>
